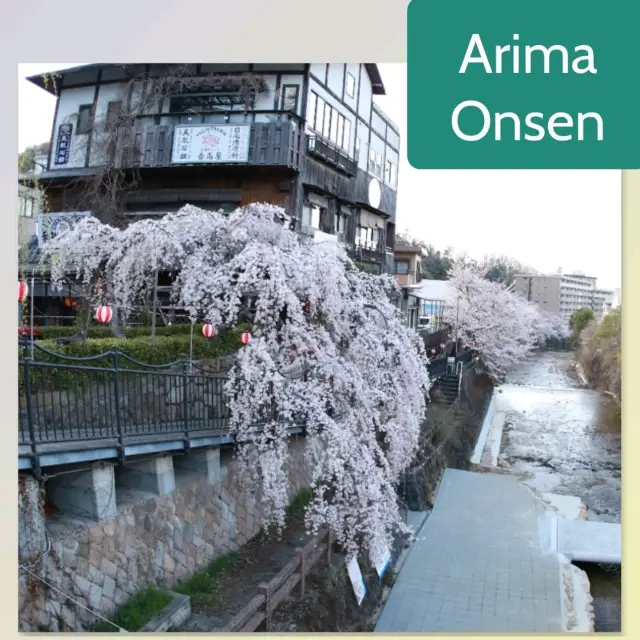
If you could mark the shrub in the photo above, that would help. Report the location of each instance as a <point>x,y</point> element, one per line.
<point>166,349</point>
<point>133,615</point>
<point>100,331</point>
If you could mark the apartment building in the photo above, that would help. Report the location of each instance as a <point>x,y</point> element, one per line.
<point>564,293</point>
<point>306,137</point>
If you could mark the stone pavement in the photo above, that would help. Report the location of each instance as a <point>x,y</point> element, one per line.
<point>478,564</point>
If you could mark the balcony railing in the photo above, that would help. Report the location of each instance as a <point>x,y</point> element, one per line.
<point>327,152</point>
<point>367,253</point>
<point>271,143</point>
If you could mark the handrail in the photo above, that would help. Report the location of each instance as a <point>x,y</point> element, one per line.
<point>74,400</point>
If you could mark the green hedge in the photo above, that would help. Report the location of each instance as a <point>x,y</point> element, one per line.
<point>166,349</point>
<point>100,331</point>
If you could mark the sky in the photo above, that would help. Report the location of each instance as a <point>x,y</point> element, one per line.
<point>544,219</point>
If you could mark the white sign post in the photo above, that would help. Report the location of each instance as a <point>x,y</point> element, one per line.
<point>357,582</point>
<point>381,559</point>
<point>211,144</point>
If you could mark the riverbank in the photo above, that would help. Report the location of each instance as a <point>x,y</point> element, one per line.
<point>564,438</point>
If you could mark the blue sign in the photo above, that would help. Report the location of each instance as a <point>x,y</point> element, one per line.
<point>63,144</point>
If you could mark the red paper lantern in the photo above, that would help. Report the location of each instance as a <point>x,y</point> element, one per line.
<point>245,338</point>
<point>208,331</point>
<point>23,291</point>
<point>433,350</point>
<point>442,346</point>
<point>104,314</point>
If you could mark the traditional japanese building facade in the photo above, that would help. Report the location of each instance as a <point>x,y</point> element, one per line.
<point>307,137</point>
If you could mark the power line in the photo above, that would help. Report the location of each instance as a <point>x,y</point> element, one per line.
<point>68,597</point>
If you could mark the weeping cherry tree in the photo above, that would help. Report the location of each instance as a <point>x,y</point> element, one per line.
<point>362,395</point>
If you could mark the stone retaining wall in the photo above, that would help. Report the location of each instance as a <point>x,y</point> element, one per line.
<point>160,540</point>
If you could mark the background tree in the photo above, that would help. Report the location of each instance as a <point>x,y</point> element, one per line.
<point>600,353</point>
<point>501,326</point>
<point>26,159</point>
<point>579,321</point>
<point>503,269</point>
<point>362,396</point>
<point>436,264</point>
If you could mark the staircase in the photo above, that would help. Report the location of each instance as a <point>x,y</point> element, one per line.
<point>449,386</point>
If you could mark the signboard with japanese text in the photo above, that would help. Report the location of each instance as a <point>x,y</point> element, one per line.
<point>211,144</point>
<point>63,144</point>
<point>357,582</point>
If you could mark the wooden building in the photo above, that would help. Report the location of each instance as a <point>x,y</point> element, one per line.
<point>307,137</point>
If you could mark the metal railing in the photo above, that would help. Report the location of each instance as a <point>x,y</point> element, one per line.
<point>112,399</point>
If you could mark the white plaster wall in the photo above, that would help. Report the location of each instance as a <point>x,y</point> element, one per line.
<point>335,78</point>
<point>366,96</point>
<point>69,102</point>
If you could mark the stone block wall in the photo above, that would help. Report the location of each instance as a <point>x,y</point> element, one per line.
<point>160,540</point>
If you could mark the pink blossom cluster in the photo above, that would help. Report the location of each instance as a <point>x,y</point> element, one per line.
<point>362,380</point>
<point>502,326</point>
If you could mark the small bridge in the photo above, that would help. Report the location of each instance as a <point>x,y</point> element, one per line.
<point>583,540</point>
<point>74,409</point>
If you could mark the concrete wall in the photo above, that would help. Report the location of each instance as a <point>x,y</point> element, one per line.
<point>152,539</point>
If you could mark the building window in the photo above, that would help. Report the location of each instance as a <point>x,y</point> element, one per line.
<point>326,125</point>
<point>341,130</point>
<point>379,165</point>
<point>347,136</point>
<point>290,97</point>
<point>114,111</point>
<point>402,267</point>
<point>319,115</point>
<point>341,222</point>
<point>333,134</point>
<point>315,216</point>
<point>311,109</point>
<point>372,160</point>
<point>390,173</point>
<point>85,119</point>
<point>350,85</point>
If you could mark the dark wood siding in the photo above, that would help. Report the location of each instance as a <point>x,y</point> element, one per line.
<point>271,144</point>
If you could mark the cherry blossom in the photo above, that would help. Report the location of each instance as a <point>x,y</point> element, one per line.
<point>358,382</point>
<point>501,326</point>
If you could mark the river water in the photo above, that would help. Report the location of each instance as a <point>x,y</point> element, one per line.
<point>566,439</point>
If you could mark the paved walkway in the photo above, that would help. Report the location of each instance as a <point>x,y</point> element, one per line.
<point>477,565</point>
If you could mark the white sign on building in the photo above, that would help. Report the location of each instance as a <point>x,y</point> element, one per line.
<point>211,144</point>
<point>50,225</point>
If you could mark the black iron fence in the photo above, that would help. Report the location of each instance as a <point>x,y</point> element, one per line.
<point>113,399</point>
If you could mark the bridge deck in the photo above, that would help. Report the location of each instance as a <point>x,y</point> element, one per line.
<point>589,541</point>
<point>478,564</point>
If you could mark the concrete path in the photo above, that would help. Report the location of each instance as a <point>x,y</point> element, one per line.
<point>478,564</point>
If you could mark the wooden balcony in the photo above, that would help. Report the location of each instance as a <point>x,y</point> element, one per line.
<point>326,152</point>
<point>270,144</point>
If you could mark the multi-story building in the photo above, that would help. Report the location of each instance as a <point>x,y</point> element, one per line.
<point>307,137</point>
<point>408,265</point>
<point>564,293</point>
